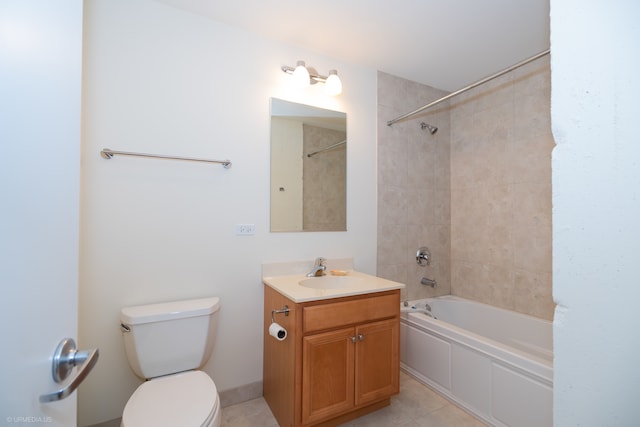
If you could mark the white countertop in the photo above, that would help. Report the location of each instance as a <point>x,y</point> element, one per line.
<point>289,286</point>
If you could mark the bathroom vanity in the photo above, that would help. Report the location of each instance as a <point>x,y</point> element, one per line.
<point>340,358</point>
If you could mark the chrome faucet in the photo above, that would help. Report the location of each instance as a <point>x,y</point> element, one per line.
<point>319,268</point>
<point>429,282</point>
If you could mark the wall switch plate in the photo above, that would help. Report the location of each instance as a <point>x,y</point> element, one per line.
<point>245,229</point>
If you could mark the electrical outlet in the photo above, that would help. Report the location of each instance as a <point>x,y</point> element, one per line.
<point>245,229</point>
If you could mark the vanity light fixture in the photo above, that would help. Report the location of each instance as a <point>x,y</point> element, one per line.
<point>304,76</point>
<point>333,85</point>
<point>301,76</point>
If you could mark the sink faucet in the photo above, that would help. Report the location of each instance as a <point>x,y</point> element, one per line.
<point>318,268</point>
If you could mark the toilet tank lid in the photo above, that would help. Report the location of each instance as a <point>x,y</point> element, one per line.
<point>140,314</point>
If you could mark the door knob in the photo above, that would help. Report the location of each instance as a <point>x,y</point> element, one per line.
<point>65,358</point>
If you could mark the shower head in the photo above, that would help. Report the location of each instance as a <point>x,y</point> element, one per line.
<point>432,129</point>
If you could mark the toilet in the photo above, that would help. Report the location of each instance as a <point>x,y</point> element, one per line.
<point>166,344</point>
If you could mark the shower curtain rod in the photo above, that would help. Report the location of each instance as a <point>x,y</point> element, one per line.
<point>466,88</point>
<point>328,148</point>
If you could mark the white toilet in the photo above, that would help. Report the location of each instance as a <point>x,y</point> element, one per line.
<point>166,344</point>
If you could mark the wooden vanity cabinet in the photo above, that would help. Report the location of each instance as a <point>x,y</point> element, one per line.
<point>341,360</point>
<point>327,375</point>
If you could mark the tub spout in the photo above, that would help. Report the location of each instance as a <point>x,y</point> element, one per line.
<point>429,282</point>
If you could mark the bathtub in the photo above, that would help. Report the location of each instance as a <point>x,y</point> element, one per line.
<point>496,364</point>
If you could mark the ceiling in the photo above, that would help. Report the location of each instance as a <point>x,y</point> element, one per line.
<point>446,44</point>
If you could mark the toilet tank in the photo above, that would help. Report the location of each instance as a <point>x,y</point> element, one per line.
<point>166,338</point>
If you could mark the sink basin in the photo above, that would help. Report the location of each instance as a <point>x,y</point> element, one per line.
<point>331,282</point>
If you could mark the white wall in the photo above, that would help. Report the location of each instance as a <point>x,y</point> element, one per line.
<point>159,80</point>
<point>596,206</point>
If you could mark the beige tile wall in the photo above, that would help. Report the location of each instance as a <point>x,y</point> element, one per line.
<point>501,147</point>
<point>324,180</point>
<point>491,161</point>
<point>413,188</point>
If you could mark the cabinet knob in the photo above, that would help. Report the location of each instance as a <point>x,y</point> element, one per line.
<point>361,337</point>
<point>353,340</point>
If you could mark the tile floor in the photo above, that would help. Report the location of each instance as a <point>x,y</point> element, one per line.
<point>415,406</point>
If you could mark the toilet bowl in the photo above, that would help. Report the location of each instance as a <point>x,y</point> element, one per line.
<point>185,399</point>
<point>166,344</point>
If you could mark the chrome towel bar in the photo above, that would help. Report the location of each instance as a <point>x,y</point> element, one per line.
<point>108,153</point>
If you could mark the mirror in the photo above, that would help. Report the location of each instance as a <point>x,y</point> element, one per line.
<point>308,168</point>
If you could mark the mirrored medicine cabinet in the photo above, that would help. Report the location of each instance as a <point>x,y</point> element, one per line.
<point>308,168</point>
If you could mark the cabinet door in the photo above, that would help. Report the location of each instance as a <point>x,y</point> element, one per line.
<point>327,375</point>
<point>377,370</point>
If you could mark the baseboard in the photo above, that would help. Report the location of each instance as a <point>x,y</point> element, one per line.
<point>240,394</point>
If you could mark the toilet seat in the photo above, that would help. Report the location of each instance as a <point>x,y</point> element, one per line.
<point>188,399</point>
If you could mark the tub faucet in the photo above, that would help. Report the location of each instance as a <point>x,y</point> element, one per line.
<point>319,268</point>
<point>429,282</point>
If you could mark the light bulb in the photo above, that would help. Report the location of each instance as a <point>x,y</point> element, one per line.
<point>333,85</point>
<point>301,77</point>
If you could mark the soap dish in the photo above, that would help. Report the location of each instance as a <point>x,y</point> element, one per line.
<point>339,272</point>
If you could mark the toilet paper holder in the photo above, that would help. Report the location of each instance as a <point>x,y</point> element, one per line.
<point>285,310</point>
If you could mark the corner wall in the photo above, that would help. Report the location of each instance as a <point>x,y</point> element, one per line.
<point>596,206</point>
<point>160,80</point>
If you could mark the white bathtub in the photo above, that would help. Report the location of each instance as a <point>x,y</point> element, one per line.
<point>496,364</point>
